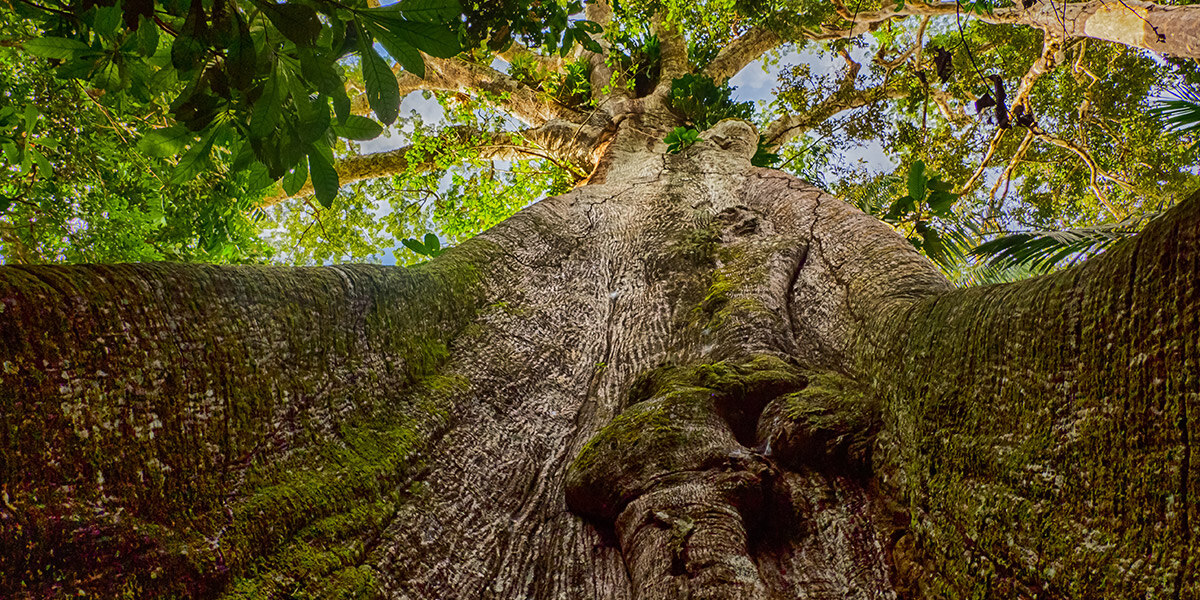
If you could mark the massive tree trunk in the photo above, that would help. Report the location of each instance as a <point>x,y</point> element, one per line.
<point>689,378</point>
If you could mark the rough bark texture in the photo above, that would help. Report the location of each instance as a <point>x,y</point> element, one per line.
<point>689,378</point>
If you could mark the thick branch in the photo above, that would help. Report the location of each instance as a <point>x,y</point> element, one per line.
<point>741,52</point>
<point>1166,29</point>
<point>564,143</point>
<point>458,75</point>
<point>517,51</point>
<point>1096,171</point>
<point>787,127</point>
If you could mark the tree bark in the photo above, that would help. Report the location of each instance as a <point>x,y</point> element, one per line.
<point>689,378</point>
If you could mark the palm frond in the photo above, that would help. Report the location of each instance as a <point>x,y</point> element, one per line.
<point>1042,251</point>
<point>1181,111</point>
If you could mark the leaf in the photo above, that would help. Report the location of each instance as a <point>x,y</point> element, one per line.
<point>414,245</point>
<point>147,36</point>
<point>194,160</point>
<point>383,91</point>
<point>45,170</point>
<point>106,20</point>
<point>324,177</point>
<point>428,11</point>
<point>432,243</point>
<point>589,26</point>
<point>680,138</point>
<point>167,141</point>
<point>941,202</point>
<point>294,180</point>
<point>358,128</point>
<point>297,22</point>
<point>916,181</point>
<point>434,39</point>
<point>1181,112</point>
<point>241,60</point>
<point>404,53</point>
<point>901,208</point>
<point>56,47</point>
<point>1043,250</point>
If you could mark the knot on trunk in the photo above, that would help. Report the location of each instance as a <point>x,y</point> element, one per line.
<point>829,425</point>
<point>680,422</point>
<point>734,135</point>
<point>673,474</point>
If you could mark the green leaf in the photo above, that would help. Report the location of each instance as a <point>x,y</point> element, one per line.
<point>916,181</point>
<point>383,91</point>
<point>297,22</point>
<point>414,245</point>
<point>434,39</point>
<point>432,243</point>
<point>147,36</point>
<point>428,11</point>
<point>31,116</point>
<point>404,53</point>
<point>194,160</point>
<point>45,170</point>
<point>900,208</point>
<point>241,59</point>
<point>56,47</point>
<point>294,180</point>
<point>680,138</point>
<point>358,128</point>
<point>941,202</point>
<point>106,20</point>
<point>324,177</point>
<point>167,141</point>
<point>187,53</point>
<point>589,26</point>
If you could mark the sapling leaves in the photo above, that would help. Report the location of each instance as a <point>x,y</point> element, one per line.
<point>680,138</point>
<point>431,247</point>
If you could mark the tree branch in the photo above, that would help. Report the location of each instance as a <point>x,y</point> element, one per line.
<point>516,51</point>
<point>741,52</point>
<point>568,145</point>
<point>1096,172</point>
<point>458,75</point>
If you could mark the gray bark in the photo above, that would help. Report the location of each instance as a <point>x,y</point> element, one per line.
<point>689,378</point>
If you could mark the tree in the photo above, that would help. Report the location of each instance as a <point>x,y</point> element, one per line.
<point>689,375</point>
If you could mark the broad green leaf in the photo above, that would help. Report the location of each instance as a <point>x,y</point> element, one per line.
<point>941,202</point>
<point>106,20</point>
<point>916,181</point>
<point>297,22</point>
<point>31,116</point>
<point>241,60</point>
<point>432,243</point>
<point>434,39</point>
<point>358,128</point>
<point>11,152</point>
<point>404,53</point>
<point>589,26</point>
<point>428,11</point>
<point>194,160</point>
<point>414,245</point>
<point>187,52</point>
<point>383,91</point>
<point>147,36</point>
<point>56,47</point>
<point>45,170</point>
<point>324,177</point>
<point>294,180</point>
<point>167,141</point>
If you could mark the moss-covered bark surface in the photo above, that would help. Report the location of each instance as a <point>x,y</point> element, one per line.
<point>689,378</point>
<point>189,430</point>
<point>1043,432</point>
